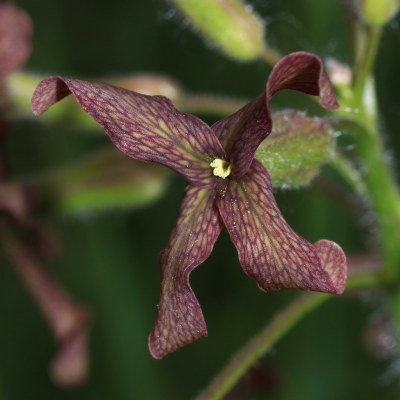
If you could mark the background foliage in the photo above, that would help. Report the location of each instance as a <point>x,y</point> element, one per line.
<point>109,261</point>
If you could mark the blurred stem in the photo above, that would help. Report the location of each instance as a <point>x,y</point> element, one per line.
<point>367,48</point>
<point>271,334</point>
<point>349,173</point>
<point>270,56</point>
<point>208,104</point>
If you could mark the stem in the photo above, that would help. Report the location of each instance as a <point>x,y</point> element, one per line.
<point>349,173</point>
<point>270,56</point>
<point>364,67</point>
<point>383,193</point>
<point>208,104</point>
<point>381,186</point>
<point>270,335</point>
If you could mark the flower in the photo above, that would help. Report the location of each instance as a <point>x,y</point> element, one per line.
<point>225,185</point>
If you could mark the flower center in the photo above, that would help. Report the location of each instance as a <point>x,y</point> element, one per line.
<point>222,168</point>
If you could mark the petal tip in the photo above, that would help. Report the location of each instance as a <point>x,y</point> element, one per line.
<point>49,91</point>
<point>333,261</point>
<point>161,345</point>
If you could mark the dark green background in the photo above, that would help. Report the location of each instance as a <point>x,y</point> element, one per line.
<point>110,261</point>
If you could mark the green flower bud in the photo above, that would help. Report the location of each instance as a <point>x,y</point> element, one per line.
<point>296,149</point>
<point>378,12</point>
<point>101,182</point>
<point>230,24</point>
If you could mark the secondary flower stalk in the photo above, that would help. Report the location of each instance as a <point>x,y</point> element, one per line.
<point>226,185</point>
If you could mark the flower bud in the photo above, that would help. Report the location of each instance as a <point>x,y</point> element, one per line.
<point>229,24</point>
<point>378,12</point>
<point>297,147</point>
<point>100,182</point>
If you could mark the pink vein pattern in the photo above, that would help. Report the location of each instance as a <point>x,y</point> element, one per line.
<point>180,319</point>
<point>147,128</point>
<point>269,250</point>
<point>243,131</point>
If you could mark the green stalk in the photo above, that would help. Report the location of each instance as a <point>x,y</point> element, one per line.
<point>270,335</point>
<point>382,190</point>
<point>383,194</point>
<point>369,42</point>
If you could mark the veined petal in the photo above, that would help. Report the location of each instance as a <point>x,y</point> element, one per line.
<point>15,38</point>
<point>180,320</point>
<point>333,261</point>
<point>242,132</point>
<point>269,250</point>
<point>147,128</point>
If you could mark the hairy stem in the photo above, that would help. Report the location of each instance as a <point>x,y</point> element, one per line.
<point>349,173</point>
<point>270,335</point>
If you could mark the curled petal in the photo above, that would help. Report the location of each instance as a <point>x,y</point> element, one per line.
<point>147,128</point>
<point>333,261</point>
<point>180,320</point>
<point>269,250</point>
<point>305,73</point>
<point>243,131</point>
<point>15,38</point>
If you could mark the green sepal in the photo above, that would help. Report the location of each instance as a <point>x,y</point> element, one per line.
<point>230,25</point>
<point>297,147</point>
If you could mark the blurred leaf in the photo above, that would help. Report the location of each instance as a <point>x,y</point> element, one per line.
<point>296,149</point>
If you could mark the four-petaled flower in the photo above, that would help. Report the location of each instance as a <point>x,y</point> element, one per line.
<point>225,185</point>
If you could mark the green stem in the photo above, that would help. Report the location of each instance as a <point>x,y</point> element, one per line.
<point>208,104</point>
<point>270,335</point>
<point>270,56</point>
<point>383,193</point>
<point>380,184</point>
<point>364,67</point>
<point>349,173</point>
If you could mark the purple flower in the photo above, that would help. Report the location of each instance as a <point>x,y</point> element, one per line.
<point>225,185</point>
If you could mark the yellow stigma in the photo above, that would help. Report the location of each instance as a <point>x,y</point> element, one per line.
<point>222,168</point>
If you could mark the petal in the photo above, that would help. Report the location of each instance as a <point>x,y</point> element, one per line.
<point>269,250</point>
<point>242,132</point>
<point>147,128</point>
<point>15,38</point>
<point>180,320</point>
<point>334,262</point>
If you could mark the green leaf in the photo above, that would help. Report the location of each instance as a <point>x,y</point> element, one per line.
<point>296,149</point>
<point>101,182</point>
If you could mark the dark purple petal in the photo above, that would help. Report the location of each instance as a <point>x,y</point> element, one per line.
<point>242,132</point>
<point>180,320</point>
<point>269,250</point>
<point>147,128</point>
<point>15,38</point>
<point>333,261</point>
